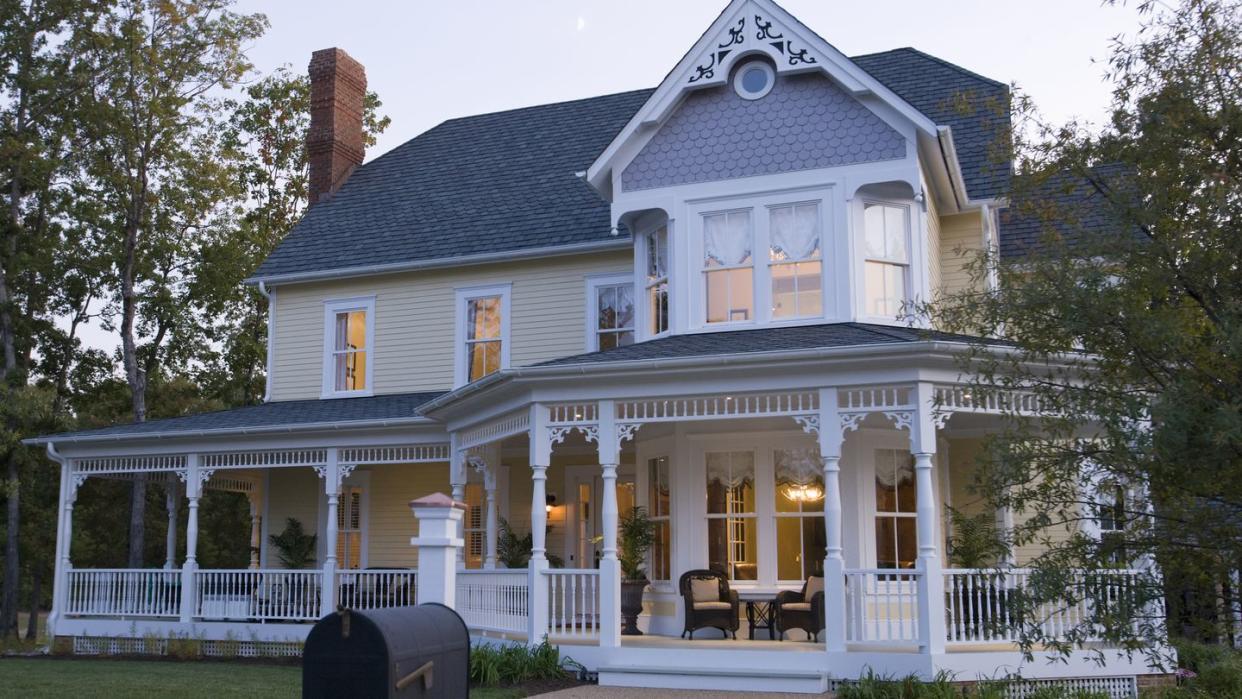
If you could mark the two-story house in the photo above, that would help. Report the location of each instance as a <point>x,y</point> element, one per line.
<point>685,299</point>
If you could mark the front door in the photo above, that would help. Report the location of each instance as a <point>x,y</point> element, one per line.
<point>585,527</point>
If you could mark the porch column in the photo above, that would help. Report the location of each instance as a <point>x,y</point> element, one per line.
<point>332,489</point>
<point>489,487</point>
<point>457,480</point>
<point>609,566</point>
<point>256,529</point>
<point>540,458</point>
<point>64,517</point>
<point>193,491</point>
<point>438,518</point>
<point>831,439</point>
<point>171,497</point>
<point>930,579</point>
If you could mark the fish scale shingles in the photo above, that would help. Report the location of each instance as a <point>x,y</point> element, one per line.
<point>503,182</point>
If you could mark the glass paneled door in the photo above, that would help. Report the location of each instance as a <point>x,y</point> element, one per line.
<point>585,529</point>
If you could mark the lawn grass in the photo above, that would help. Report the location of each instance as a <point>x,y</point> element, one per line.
<point>73,677</point>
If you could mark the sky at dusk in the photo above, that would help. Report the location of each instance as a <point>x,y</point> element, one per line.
<point>435,61</point>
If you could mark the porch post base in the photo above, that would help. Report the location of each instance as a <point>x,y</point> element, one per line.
<point>438,542</point>
<point>537,582</point>
<point>931,606</point>
<point>834,605</point>
<point>610,603</point>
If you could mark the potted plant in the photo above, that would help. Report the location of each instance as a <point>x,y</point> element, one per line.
<point>636,533</point>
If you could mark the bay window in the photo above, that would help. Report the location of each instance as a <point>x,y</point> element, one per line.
<point>657,281</point>
<point>799,507</point>
<point>732,534</point>
<point>348,333</point>
<point>886,275</point>
<point>896,528</point>
<point>794,261</point>
<point>660,512</point>
<point>728,266</point>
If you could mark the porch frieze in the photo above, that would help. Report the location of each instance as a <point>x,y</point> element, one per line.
<point>558,433</point>
<point>494,430</point>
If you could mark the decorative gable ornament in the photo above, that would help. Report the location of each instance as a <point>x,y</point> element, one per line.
<point>748,34</point>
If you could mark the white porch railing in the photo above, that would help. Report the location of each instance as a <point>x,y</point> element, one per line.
<point>573,602</point>
<point>376,589</point>
<point>124,593</point>
<point>982,606</point>
<point>882,606</point>
<point>494,600</point>
<point>261,595</point>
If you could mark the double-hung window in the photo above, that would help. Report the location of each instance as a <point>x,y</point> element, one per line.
<point>660,511</point>
<point>483,332</point>
<point>728,266</point>
<point>348,335</point>
<point>888,258</point>
<point>799,506</point>
<point>732,531</point>
<point>1110,520</point>
<point>349,528</point>
<point>657,281</point>
<point>794,261</point>
<point>896,528</point>
<point>612,322</point>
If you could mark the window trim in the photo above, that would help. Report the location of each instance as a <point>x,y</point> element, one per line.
<point>872,506</point>
<point>864,258</point>
<point>593,283</point>
<point>332,308</point>
<point>464,295</point>
<point>665,519</point>
<point>741,90</point>
<point>757,242</point>
<point>770,264</point>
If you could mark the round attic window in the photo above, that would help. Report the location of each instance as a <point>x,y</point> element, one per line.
<point>754,80</point>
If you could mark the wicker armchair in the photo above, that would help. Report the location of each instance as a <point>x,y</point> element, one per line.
<point>801,610</point>
<point>709,602</point>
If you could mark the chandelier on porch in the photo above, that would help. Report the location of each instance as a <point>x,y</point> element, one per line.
<point>803,493</point>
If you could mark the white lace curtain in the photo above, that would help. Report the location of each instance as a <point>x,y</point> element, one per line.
<point>727,239</point>
<point>794,232</point>
<point>799,467</point>
<point>890,473</point>
<point>731,470</point>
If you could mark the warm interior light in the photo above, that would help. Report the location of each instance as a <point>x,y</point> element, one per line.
<point>550,501</point>
<point>803,493</point>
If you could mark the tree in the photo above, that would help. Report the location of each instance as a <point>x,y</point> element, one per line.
<point>150,165</point>
<point>1125,315</point>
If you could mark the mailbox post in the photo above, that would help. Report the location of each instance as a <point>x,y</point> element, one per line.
<point>438,540</point>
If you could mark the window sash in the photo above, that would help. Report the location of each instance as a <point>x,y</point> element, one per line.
<point>483,344</point>
<point>349,350</point>
<point>619,299</point>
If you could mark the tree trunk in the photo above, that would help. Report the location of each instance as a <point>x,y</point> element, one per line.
<point>137,380</point>
<point>8,620</point>
<point>36,580</point>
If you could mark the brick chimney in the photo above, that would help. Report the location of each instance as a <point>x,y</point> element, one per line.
<point>334,143</point>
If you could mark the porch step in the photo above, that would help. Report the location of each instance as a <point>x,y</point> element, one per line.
<point>732,679</point>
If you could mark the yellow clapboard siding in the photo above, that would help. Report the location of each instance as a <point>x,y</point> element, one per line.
<point>961,239</point>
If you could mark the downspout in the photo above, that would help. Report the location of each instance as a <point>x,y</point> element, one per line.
<point>271,339</point>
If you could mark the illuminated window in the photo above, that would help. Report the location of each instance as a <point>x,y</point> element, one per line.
<point>896,529</point>
<point>657,281</point>
<point>612,313</point>
<point>349,331</point>
<point>732,534</point>
<point>799,505</point>
<point>475,526</point>
<point>349,528</point>
<point>794,261</point>
<point>483,332</point>
<point>728,266</point>
<point>659,509</point>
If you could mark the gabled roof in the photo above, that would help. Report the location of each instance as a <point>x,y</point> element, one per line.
<point>503,184</point>
<point>1066,205</point>
<point>779,339</point>
<point>290,415</point>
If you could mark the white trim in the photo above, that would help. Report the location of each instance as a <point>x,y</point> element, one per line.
<point>331,308</point>
<point>270,367</point>
<point>593,283</point>
<point>468,293</point>
<point>915,258</point>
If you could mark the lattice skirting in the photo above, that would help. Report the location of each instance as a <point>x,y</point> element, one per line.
<point>87,645</point>
<point>1114,687</point>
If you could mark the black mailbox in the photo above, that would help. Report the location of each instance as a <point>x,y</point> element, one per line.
<point>421,651</point>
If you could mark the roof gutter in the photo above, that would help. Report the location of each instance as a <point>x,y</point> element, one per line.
<point>612,243</point>
<point>271,340</point>
<point>948,151</point>
<point>52,440</point>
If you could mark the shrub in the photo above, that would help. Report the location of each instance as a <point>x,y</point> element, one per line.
<point>499,665</point>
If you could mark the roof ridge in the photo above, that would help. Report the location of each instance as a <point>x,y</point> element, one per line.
<point>542,105</point>
<point>936,59</point>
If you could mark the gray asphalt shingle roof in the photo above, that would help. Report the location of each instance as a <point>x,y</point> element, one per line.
<point>799,337</point>
<point>293,413</point>
<point>1065,205</point>
<point>505,181</point>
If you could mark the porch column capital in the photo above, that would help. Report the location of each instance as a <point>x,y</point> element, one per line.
<point>923,424</point>
<point>540,437</point>
<point>609,442</point>
<point>831,436</point>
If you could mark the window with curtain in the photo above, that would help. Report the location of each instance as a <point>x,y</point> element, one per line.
<point>799,505</point>
<point>475,526</point>
<point>732,534</point>
<point>657,281</point>
<point>728,266</point>
<point>349,528</point>
<point>660,511</point>
<point>888,258</point>
<point>483,336</point>
<point>794,258</point>
<point>614,315</point>
<point>349,351</point>
<point>896,528</point>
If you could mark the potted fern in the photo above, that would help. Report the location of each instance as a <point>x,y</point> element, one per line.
<point>637,534</point>
<point>976,544</point>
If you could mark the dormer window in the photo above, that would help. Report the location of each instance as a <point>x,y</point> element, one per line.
<point>348,333</point>
<point>794,261</point>
<point>887,269</point>
<point>728,266</point>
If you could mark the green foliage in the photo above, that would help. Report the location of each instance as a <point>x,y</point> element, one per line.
<point>492,665</point>
<point>1204,671</point>
<point>974,540</point>
<point>636,533</point>
<point>294,547</point>
<point>872,686</point>
<point>513,551</point>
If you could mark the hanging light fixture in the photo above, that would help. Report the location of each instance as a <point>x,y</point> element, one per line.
<point>803,493</point>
